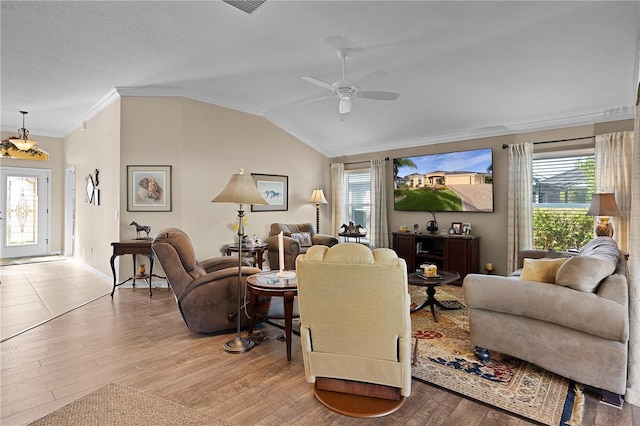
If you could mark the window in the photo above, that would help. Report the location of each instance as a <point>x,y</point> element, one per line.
<point>563,183</point>
<point>359,197</point>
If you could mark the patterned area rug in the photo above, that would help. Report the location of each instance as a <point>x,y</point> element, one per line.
<point>115,404</point>
<point>445,358</point>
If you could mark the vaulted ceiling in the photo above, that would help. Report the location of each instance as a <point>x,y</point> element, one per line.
<point>462,69</point>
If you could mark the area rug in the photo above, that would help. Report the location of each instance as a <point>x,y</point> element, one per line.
<point>445,358</point>
<point>115,404</point>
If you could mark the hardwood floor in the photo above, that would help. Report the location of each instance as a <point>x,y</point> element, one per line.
<point>143,343</point>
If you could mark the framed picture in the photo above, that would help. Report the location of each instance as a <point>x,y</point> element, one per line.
<point>466,228</point>
<point>149,188</point>
<point>274,189</point>
<point>457,227</point>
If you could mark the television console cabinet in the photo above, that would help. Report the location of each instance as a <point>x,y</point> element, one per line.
<point>455,253</point>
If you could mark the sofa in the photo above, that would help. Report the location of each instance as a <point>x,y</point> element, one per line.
<point>567,313</point>
<point>297,238</point>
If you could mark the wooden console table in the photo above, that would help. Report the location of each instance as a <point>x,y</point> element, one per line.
<point>133,247</point>
<point>456,253</point>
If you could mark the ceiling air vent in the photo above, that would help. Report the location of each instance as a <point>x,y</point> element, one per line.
<point>245,5</point>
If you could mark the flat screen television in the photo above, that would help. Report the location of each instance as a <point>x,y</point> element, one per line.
<point>451,182</point>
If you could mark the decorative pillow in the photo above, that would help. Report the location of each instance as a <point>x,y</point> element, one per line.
<point>584,273</point>
<point>304,238</point>
<point>542,270</point>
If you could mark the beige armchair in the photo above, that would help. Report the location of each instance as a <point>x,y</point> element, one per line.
<point>354,324</point>
<point>295,242</point>
<point>207,291</point>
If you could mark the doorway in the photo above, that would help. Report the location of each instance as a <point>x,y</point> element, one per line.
<point>24,212</point>
<point>69,210</point>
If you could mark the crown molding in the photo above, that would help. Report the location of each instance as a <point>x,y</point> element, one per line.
<point>185,93</point>
<point>613,114</point>
<point>110,97</point>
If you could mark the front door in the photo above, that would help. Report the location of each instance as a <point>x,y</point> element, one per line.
<point>24,212</point>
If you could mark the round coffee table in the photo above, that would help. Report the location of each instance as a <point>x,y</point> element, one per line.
<point>278,302</point>
<point>445,277</point>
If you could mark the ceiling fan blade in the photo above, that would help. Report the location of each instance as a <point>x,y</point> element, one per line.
<point>319,83</point>
<point>312,99</point>
<point>378,96</point>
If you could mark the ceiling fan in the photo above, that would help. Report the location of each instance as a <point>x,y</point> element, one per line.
<point>344,89</point>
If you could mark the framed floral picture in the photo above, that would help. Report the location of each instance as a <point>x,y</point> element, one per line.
<point>149,188</point>
<point>274,189</point>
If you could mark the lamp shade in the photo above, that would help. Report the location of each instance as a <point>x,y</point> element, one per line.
<point>603,204</point>
<point>23,144</point>
<point>240,190</point>
<point>317,196</point>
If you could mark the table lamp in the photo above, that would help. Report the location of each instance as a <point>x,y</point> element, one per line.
<point>317,197</point>
<point>240,190</point>
<point>603,205</point>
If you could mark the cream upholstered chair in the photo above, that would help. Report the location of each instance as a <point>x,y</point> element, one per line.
<point>354,323</point>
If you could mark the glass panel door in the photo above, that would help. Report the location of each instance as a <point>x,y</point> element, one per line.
<point>24,212</point>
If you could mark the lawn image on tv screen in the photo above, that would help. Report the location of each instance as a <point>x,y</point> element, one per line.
<point>450,182</point>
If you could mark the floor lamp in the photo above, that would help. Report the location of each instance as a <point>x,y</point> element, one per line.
<point>240,190</point>
<point>317,197</point>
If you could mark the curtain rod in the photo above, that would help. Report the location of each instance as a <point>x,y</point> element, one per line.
<point>364,161</point>
<point>505,146</point>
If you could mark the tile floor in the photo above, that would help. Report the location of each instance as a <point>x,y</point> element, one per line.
<point>33,293</point>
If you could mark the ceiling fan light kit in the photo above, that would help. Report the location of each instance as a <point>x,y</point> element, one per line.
<point>345,89</point>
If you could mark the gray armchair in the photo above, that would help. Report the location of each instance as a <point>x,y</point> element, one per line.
<point>294,245</point>
<point>207,291</point>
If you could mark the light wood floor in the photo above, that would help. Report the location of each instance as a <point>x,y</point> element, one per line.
<point>143,343</point>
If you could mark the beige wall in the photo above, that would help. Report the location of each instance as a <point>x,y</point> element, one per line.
<point>54,146</point>
<point>96,147</point>
<point>205,144</point>
<point>492,227</point>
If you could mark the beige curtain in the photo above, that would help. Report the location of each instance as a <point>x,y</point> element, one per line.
<point>338,201</point>
<point>379,235</point>
<point>632,395</point>
<point>519,209</point>
<point>613,155</point>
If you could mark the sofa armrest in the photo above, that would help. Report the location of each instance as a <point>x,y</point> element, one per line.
<point>324,240</point>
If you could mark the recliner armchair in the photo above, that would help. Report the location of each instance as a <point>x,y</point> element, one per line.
<point>207,291</point>
<point>354,323</point>
<point>292,246</point>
